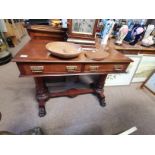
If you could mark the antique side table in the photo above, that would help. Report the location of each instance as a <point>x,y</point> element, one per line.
<point>35,61</point>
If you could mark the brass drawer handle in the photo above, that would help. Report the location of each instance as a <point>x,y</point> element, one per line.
<point>37,69</point>
<point>71,68</point>
<point>94,68</point>
<point>118,67</point>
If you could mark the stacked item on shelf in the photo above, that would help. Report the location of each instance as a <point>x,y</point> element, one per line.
<point>149,37</point>
<point>139,32</point>
<point>14,31</point>
<point>131,31</point>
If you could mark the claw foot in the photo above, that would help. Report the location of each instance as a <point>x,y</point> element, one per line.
<point>102,102</point>
<point>42,111</point>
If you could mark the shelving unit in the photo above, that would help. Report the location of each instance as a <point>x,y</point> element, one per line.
<point>13,31</point>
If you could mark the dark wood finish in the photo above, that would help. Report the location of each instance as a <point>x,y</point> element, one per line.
<point>36,51</point>
<point>81,36</point>
<point>26,69</point>
<point>46,32</point>
<point>35,61</point>
<point>72,92</point>
<point>99,89</point>
<point>42,94</point>
<point>99,68</point>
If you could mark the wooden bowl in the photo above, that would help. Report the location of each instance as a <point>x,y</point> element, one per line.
<point>64,49</point>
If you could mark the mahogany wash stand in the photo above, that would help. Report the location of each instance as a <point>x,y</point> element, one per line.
<point>34,61</point>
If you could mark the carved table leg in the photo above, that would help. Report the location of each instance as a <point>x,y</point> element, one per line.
<point>42,95</point>
<point>99,89</point>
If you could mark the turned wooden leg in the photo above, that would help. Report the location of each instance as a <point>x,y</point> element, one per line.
<point>42,95</point>
<point>99,89</point>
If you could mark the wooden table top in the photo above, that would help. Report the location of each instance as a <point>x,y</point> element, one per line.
<point>35,51</point>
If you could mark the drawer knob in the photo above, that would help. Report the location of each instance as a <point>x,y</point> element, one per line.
<point>37,69</point>
<point>71,68</point>
<point>94,68</point>
<point>118,67</point>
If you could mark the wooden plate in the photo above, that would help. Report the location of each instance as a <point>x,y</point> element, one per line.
<point>64,49</point>
<point>97,55</point>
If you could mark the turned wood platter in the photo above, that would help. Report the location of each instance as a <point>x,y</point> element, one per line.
<point>97,55</point>
<point>64,49</point>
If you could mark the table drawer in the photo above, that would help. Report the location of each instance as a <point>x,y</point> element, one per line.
<point>38,68</point>
<point>105,67</point>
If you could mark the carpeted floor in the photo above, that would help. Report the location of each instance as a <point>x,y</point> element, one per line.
<point>127,106</point>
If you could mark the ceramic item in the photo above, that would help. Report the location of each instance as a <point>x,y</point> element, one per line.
<point>153,33</point>
<point>64,23</point>
<point>148,31</point>
<point>64,49</point>
<point>108,26</point>
<point>121,34</point>
<point>136,34</point>
<point>149,41</point>
<point>131,26</point>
